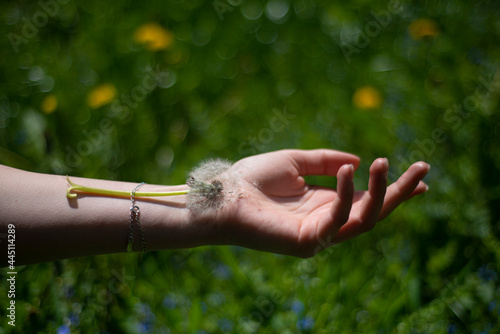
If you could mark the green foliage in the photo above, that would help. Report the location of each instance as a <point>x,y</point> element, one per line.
<point>245,77</point>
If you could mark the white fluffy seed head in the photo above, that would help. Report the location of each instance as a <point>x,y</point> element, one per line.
<point>212,185</point>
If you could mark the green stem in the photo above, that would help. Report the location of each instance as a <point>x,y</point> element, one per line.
<point>120,193</point>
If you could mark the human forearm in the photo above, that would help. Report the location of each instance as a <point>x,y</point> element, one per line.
<point>50,226</point>
<point>261,202</point>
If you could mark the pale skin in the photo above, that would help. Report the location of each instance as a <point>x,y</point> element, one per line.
<point>275,211</point>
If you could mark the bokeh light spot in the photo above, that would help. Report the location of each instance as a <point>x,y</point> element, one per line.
<point>35,73</point>
<point>423,28</point>
<point>153,36</point>
<point>277,9</point>
<point>367,97</point>
<point>101,95</point>
<point>49,104</point>
<point>251,10</point>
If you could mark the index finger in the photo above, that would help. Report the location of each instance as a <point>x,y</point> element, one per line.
<point>321,161</point>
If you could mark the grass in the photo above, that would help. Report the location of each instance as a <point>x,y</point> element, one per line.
<point>86,95</point>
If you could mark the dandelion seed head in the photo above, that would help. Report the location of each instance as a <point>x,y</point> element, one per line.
<point>212,185</point>
<point>209,169</point>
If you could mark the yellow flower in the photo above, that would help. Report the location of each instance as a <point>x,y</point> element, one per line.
<point>49,104</point>
<point>367,98</point>
<point>101,95</point>
<point>153,36</point>
<point>423,28</point>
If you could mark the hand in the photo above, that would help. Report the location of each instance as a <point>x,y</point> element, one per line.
<point>279,212</point>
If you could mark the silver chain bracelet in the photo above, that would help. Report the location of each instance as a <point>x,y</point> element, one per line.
<point>135,219</point>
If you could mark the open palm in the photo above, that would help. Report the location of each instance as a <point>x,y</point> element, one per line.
<point>279,212</point>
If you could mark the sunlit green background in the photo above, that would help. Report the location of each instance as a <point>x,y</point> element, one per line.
<point>144,90</point>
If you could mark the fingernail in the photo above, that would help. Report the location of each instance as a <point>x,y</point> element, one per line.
<point>425,165</point>
<point>426,188</point>
<point>351,170</point>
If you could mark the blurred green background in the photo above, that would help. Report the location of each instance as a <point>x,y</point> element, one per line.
<point>143,91</point>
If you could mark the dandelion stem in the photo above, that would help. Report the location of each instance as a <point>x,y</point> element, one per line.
<point>120,193</point>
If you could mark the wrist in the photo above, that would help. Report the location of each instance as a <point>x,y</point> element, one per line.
<point>168,223</point>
